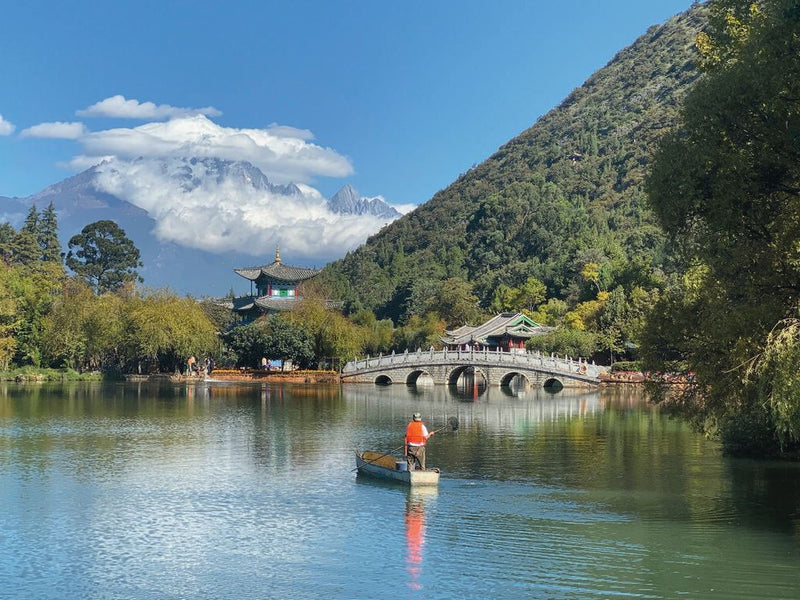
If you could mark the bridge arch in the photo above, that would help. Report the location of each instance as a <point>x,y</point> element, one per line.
<point>509,377</point>
<point>454,374</point>
<point>383,379</point>
<point>417,374</point>
<point>553,384</point>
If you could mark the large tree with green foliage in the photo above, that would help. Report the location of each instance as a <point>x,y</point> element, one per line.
<point>165,330</point>
<point>272,337</point>
<point>104,256</point>
<point>335,338</point>
<point>726,187</point>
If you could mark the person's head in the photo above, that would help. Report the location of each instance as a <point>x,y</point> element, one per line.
<point>417,417</point>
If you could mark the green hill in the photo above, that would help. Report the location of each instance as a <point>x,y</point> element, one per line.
<point>564,193</point>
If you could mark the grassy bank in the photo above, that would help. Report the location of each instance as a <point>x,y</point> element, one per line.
<point>35,374</point>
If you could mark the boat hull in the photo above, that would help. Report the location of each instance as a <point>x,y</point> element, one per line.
<point>377,465</point>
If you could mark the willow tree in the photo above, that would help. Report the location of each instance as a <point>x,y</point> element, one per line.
<point>164,330</point>
<point>726,188</point>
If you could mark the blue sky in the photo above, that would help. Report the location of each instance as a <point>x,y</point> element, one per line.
<point>410,93</point>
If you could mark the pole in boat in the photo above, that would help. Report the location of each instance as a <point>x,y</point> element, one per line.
<point>389,453</point>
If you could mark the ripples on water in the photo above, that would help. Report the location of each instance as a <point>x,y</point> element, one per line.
<point>248,492</point>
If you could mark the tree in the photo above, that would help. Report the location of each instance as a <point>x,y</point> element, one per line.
<point>248,343</point>
<point>527,296</point>
<point>103,256</point>
<point>333,336</point>
<point>272,337</point>
<point>35,288</point>
<point>565,342</point>
<point>591,272</point>
<point>219,314</point>
<point>377,334</point>
<point>167,330</point>
<point>419,332</point>
<point>454,302</point>
<point>726,188</point>
<point>611,322</point>
<point>288,341</point>
<point>31,224</point>
<point>47,235</point>
<point>7,235</point>
<point>10,317</point>
<point>64,335</point>
<point>25,248</point>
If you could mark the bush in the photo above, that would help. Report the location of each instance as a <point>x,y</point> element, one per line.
<point>626,365</point>
<point>565,342</point>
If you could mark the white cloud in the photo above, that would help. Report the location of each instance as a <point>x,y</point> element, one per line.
<point>404,208</point>
<point>284,154</point>
<point>228,213</point>
<point>56,130</point>
<point>169,168</point>
<point>120,107</point>
<point>6,128</point>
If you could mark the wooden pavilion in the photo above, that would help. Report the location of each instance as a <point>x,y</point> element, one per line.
<point>506,331</point>
<point>273,288</point>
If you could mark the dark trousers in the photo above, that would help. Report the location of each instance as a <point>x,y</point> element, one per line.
<point>416,455</point>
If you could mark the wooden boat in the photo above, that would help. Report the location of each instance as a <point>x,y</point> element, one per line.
<point>385,466</point>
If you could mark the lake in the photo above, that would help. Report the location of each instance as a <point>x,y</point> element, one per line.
<point>245,491</point>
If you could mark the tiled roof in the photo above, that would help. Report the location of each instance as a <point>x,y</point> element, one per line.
<point>241,303</point>
<point>513,324</point>
<point>277,271</point>
<point>276,304</point>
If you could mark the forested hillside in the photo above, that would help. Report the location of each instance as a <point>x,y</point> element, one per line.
<point>562,203</point>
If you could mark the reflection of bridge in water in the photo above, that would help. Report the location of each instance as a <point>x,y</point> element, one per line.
<point>495,409</point>
<point>495,368</point>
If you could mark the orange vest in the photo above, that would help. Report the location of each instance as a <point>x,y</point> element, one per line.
<point>416,433</point>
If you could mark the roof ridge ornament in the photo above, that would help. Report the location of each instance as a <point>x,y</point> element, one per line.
<point>277,254</point>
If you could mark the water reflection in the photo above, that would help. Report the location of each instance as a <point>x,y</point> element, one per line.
<point>225,490</point>
<point>415,533</point>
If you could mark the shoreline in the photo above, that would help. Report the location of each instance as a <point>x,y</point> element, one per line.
<point>248,376</point>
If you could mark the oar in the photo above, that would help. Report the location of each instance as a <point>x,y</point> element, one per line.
<point>451,422</point>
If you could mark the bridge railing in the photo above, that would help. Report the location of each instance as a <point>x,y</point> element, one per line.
<point>531,360</point>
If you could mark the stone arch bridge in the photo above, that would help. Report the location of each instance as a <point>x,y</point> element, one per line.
<point>496,367</point>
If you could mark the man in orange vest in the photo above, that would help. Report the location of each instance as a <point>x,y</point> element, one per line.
<point>416,437</point>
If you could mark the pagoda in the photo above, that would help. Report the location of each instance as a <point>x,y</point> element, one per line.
<point>273,288</point>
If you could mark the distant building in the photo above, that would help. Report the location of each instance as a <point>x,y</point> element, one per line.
<point>273,288</point>
<point>506,331</point>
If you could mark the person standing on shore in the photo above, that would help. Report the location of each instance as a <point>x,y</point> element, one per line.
<point>416,437</point>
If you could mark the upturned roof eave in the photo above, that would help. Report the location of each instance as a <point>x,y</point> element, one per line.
<point>277,271</point>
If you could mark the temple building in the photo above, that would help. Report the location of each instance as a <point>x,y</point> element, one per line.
<point>506,331</point>
<point>273,288</point>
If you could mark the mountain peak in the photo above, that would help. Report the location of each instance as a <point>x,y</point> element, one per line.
<point>347,201</point>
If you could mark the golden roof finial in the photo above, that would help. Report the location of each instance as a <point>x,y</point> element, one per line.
<point>277,254</point>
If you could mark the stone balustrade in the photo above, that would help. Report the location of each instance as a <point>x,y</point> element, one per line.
<point>576,368</point>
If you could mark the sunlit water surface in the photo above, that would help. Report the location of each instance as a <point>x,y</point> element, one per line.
<point>247,491</point>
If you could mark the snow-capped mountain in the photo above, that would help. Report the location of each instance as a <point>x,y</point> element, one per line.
<point>196,219</point>
<point>347,201</point>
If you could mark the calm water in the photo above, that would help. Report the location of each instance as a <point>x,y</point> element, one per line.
<point>243,491</point>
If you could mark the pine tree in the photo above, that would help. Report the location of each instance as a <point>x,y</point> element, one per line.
<point>48,235</point>
<point>7,235</point>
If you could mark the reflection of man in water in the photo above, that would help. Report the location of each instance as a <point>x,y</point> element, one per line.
<point>416,437</point>
<point>415,538</point>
